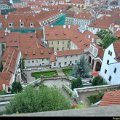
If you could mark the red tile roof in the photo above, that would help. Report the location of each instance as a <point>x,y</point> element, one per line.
<point>83,15</point>
<point>9,59</point>
<point>117,49</point>
<point>69,52</point>
<point>111,98</point>
<point>78,1</point>
<point>37,53</point>
<point>117,33</point>
<point>103,22</point>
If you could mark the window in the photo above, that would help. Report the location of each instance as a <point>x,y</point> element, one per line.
<point>28,61</point>
<point>54,64</point>
<point>110,53</point>
<point>36,61</point>
<point>110,78</point>
<point>63,42</point>
<point>65,63</point>
<point>32,61</point>
<point>58,42</point>
<point>105,71</point>
<point>70,62</point>
<point>57,48</point>
<point>115,70</point>
<point>108,62</point>
<point>75,61</point>
<point>42,59</point>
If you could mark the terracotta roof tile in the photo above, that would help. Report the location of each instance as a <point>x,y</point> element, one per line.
<point>111,98</point>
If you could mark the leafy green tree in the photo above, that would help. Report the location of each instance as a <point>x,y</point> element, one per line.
<point>98,81</point>
<point>81,69</point>
<point>108,39</point>
<point>77,83</point>
<point>16,87</point>
<point>37,100</point>
<point>102,33</point>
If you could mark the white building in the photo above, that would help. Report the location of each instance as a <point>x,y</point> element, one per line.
<point>110,69</point>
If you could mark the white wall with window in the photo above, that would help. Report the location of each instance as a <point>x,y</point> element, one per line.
<point>110,69</point>
<point>64,61</point>
<point>36,62</point>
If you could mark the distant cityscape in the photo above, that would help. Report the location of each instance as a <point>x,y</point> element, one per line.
<point>71,44</point>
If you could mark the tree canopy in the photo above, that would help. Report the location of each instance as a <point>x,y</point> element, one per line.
<point>37,100</point>
<point>98,81</point>
<point>106,37</point>
<point>77,83</point>
<point>81,69</point>
<point>16,87</point>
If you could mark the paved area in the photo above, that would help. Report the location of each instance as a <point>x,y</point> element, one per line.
<point>60,72</point>
<point>30,78</point>
<point>83,97</point>
<point>112,111</point>
<point>57,83</point>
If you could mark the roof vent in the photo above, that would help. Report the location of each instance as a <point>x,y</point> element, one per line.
<point>51,26</point>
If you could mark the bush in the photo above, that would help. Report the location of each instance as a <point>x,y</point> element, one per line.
<point>16,87</point>
<point>76,83</point>
<point>95,98</point>
<point>98,81</point>
<point>38,100</point>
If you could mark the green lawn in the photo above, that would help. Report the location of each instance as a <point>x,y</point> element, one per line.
<point>67,71</point>
<point>47,74</point>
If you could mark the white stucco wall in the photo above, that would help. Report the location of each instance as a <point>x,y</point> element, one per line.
<point>110,68</point>
<point>36,63</point>
<point>67,59</point>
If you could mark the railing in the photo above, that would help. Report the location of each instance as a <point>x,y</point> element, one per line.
<point>68,90</point>
<point>4,98</point>
<point>95,88</point>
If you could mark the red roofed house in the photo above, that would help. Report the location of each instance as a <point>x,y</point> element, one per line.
<point>83,19</point>
<point>68,43</point>
<point>110,98</point>
<point>11,68</point>
<point>103,22</point>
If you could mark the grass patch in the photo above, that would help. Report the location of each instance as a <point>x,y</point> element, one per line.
<point>2,92</point>
<point>45,74</point>
<point>67,71</point>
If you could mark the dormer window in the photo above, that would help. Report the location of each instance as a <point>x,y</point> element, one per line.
<point>21,24</point>
<point>31,25</point>
<point>10,24</point>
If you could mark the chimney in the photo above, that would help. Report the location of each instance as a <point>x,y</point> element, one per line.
<point>6,16</point>
<point>69,26</point>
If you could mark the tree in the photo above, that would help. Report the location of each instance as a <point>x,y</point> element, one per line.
<point>98,81</point>
<point>108,39</point>
<point>16,87</point>
<point>37,100</point>
<point>76,83</point>
<point>102,33</point>
<point>81,69</point>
